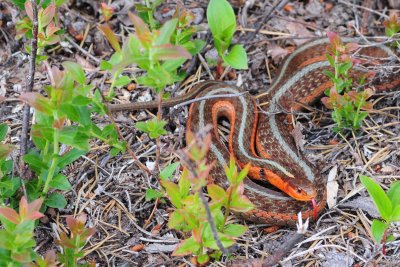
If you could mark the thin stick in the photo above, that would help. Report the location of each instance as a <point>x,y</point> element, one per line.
<point>268,16</point>
<point>30,82</point>
<point>83,51</point>
<point>365,8</point>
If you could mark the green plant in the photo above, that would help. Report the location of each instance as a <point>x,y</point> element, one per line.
<point>165,174</point>
<point>348,105</point>
<point>9,184</point>
<point>392,28</point>
<point>190,214</point>
<point>154,127</point>
<point>222,22</point>
<point>152,51</point>
<point>16,239</point>
<point>63,118</point>
<point>146,12</point>
<point>73,243</point>
<point>159,53</point>
<point>48,31</point>
<point>388,205</point>
<point>107,11</point>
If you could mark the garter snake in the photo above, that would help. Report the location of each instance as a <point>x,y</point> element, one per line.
<point>264,138</point>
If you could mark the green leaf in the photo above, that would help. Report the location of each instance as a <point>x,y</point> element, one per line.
<point>75,70</point>
<point>217,193</point>
<point>60,182</point>
<point>187,246</point>
<point>194,47</point>
<point>3,131</point>
<point>231,170</point>
<point>152,194</point>
<point>35,162</point>
<point>19,3</point>
<point>235,230</point>
<point>81,100</point>
<point>56,200</point>
<point>184,185</point>
<point>111,37</point>
<point>173,193</point>
<point>154,127</point>
<point>378,229</point>
<point>166,173</point>
<point>209,241</point>
<point>105,65</point>
<point>38,102</point>
<point>345,67</point>
<point>379,197</point>
<point>202,259</point>
<point>70,111</point>
<point>122,81</point>
<point>330,60</point>
<point>142,30</point>
<point>46,16</point>
<point>70,157</point>
<point>170,51</point>
<point>166,32</point>
<point>8,186</point>
<point>175,221</point>
<point>73,136</point>
<point>5,150</point>
<point>222,22</point>
<point>395,217</point>
<point>394,193</point>
<point>242,174</point>
<point>237,58</point>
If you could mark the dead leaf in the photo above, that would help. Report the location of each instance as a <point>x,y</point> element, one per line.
<point>364,203</point>
<point>298,136</point>
<point>387,169</point>
<point>300,30</point>
<point>84,63</point>
<point>277,53</point>
<point>332,188</point>
<point>137,248</point>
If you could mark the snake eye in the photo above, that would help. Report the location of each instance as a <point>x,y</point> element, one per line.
<point>262,173</point>
<point>299,190</point>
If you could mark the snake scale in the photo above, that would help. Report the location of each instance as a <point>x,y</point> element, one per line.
<point>264,138</point>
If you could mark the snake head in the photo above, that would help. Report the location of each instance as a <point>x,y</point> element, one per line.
<point>299,189</point>
<point>302,192</point>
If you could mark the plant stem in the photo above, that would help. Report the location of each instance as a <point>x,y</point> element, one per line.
<point>360,104</point>
<point>336,71</point>
<point>158,140</point>
<point>54,160</point>
<point>43,154</point>
<point>111,90</point>
<point>228,205</point>
<point>150,15</point>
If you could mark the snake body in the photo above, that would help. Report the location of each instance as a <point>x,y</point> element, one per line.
<point>264,138</point>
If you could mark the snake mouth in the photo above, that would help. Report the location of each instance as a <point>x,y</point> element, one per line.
<point>300,194</point>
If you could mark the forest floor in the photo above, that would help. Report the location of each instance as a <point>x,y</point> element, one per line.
<point>111,190</point>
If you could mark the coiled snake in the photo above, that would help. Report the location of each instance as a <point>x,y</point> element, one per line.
<point>264,138</point>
